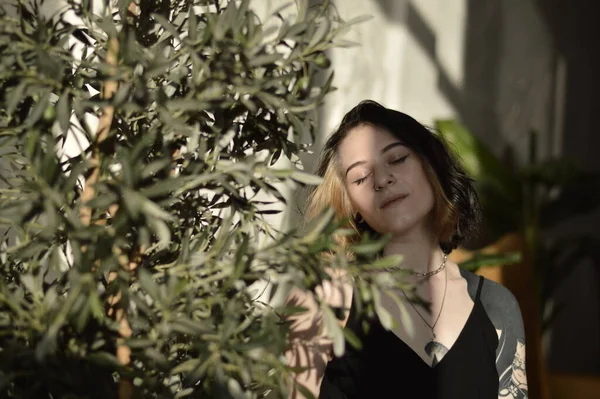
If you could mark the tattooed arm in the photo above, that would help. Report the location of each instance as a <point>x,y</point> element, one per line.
<point>503,310</point>
<point>515,384</point>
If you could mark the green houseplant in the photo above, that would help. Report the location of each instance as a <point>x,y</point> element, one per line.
<point>129,267</point>
<point>520,203</point>
<point>530,199</point>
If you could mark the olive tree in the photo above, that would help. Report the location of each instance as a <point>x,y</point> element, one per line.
<point>142,148</point>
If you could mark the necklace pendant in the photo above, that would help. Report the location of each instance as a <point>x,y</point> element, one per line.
<point>435,351</point>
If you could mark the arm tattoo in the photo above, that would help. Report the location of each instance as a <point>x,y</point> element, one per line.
<point>503,310</point>
<point>516,385</point>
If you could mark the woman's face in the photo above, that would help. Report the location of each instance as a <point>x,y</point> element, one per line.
<point>385,181</point>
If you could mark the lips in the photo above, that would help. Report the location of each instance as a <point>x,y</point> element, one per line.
<point>392,200</point>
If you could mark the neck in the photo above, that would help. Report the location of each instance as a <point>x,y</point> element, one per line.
<point>419,248</point>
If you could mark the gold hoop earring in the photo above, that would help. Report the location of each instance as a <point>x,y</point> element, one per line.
<point>358,218</point>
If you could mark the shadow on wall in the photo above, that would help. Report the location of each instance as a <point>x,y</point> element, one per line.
<point>575,339</point>
<point>476,101</point>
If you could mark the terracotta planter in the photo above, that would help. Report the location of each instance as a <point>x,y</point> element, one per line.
<point>568,386</point>
<point>518,278</point>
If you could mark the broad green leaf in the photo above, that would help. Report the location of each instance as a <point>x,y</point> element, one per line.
<point>290,310</point>
<point>357,20</point>
<point>346,43</point>
<point>133,202</point>
<point>368,248</point>
<point>405,318</point>
<point>192,25</point>
<point>296,30</point>
<point>165,23</point>
<point>234,388</point>
<point>177,184</point>
<point>387,262</point>
<point>479,260</point>
<point>33,283</point>
<point>186,366</point>
<point>498,188</point>
<point>39,109</point>
<point>122,94</point>
<point>80,313</point>
<point>302,10</point>
<point>184,393</point>
<point>162,231</point>
<point>187,326</point>
<point>323,29</point>
<point>149,285</point>
<point>156,356</point>
<point>306,178</point>
<point>229,16</point>
<point>27,250</point>
<point>152,210</point>
<point>103,200</point>
<point>352,338</point>
<point>334,330</point>
<point>155,166</point>
<point>478,159</point>
<point>384,316</point>
<point>265,59</point>
<point>322,222</point>
<point>63,112</point>
<point>96,306</point>
<point>104,359</point>
<point>15,97</point>
<point>304,391</point>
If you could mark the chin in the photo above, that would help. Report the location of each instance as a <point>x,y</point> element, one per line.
<point>399,226</point>
<point>394,230</point>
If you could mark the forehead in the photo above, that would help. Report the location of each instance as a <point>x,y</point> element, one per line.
<point>364,142</point>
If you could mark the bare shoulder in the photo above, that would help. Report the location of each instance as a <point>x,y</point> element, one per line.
<point>493,294</point>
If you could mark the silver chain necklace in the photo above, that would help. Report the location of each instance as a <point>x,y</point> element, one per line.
<point>420,274</point>
<point>433,344</point>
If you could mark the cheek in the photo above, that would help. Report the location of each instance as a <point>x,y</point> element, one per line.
<point>361,200</point>
<point>427,196</point>
<point>423,201</point>
<point>422,190</point>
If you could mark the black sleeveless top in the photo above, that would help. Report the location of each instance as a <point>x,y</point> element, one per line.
<point>387,367</point>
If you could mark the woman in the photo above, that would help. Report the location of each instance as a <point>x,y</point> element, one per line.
<point>391,175</point>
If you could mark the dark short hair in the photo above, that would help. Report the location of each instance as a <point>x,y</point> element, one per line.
<point>457,212</point>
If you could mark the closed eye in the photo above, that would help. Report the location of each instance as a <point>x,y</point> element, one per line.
<point>399,160</point>
<point>361,180</point>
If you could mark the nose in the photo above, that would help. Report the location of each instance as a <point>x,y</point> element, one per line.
<point>382,180</point>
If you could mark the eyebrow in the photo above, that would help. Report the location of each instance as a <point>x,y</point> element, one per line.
<point>384,150</point>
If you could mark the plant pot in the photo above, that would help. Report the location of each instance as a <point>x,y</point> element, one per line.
<point>573,386</point>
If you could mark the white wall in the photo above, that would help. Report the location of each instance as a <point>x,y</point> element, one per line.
<point>489,64</point>
<point>391,66</point>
